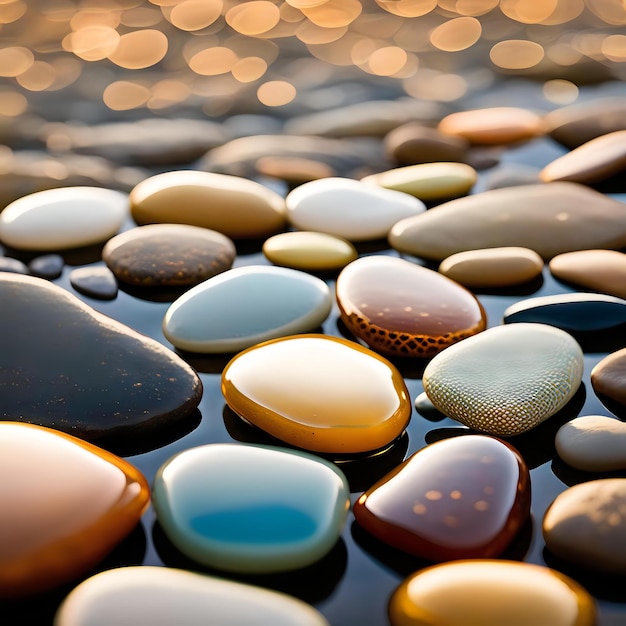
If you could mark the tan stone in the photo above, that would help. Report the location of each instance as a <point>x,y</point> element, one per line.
<point>293,170</point>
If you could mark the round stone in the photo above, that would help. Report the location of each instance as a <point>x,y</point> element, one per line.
<point>608,377</point>
<point>256,518</point>
<point>67,217</point>
<point>96,282</point>
<point>48,266</point>
<point>244,306</point>
<point>349,208</point>
<point>491,593</point>
<point>160,255</point>
<point>234,206</point>
<point>493,267</point>
<point>507,379</point>
<point>14,266</point>
<point>162,596</point>
<point>364,406</point>
<point>309,251</point>
<point>584,525</point>
<point>399,308</point>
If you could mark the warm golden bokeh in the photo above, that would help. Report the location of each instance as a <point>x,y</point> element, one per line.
<point>387,61</point>
<point>408,8</point>
<point>334,13</point>
<point>12,104</point>
<point>516,54</point>
<point>191,15</point>
<point>12,11</point>
<point>560,91</point>
<point>140,49</point>
<point>253,18</point>
<point>249,69</point>
<point>15,60</point>
<point>614,48</point>
<point>123,95</point>
<point>276,93</point>
<point>92,43</point>
<point>456,34</point>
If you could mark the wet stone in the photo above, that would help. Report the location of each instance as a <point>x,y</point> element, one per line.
<point>91,500</point>
<point>608,377</point>
<point>399,308</point>
<point>48,266</point>
<point>364,407</point>
<point>256,517</point>
<point>95,282</point>
<point>507,379</point>
<point>15,266</point>
<point>113,382</point>
<point>460,498</point>
<point>169,255</point>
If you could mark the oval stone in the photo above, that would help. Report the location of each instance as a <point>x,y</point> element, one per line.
<point>293,170</point>
<point>493,267</point>
<point>15,266</point>
<point>399,308</point>
<point>48,266</point>
<point>168,255</point>
<point>600,270</point>
<point>427,181</point>
<point>593,443</point>
<point>507,379</point>
<point>491,593</point>
<point>549,219</point>
<point>256,518</point>
<point>349,208</point>
<point>608,377</point>
<point>244,306</point>
<point>459,498</point>
<point>585,525</point>
<point>164,595</point>
<point>309,251</point>
<point>67,217</point>
<point>96,282</point>
<point>234,206</point>
<point>364,405</point>
<point>65,505</point>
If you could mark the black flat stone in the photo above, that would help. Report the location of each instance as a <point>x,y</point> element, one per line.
<point>47,266</point>
<point>96,282</point>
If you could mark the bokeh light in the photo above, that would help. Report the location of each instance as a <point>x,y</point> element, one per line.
<point>516,54</point>
<point>276,93</point>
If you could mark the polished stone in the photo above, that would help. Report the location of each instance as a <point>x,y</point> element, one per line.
<point>507,379</point>
<point>364,404</point>
<point>460,498</point>
<point>608,377</point>
<point>113,383</point>
<point>254,516</point>
<point>48,266</point>
<point>96,282</point>
<point>400,308</point>
<point>169,255</point>
<point>162,596</point>
<point>244,306</point>
<point>491,593</point>
<point>65,505</point>
<point>15,266</point>
<point>293,170</point>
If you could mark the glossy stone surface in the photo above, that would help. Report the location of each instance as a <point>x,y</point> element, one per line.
<point>162,596</point>
<point>465,497</point>
<point>492,267</point>
<point>234,206</point>
<point>242,508</point>
<point>47,266</point>
<point>159,255</point>
<point>364,405</point>
<point>65,505</point>
<point>56,219</point>
<point>585,525</point>
<point>15,266</point>
<point>427,181</point>
<point>349,208</point>
<point>600,270</point>
<point>400,308</point>
<point>608,377</point>
<point>550,219</point>
<point>593,443</point>
<point>96,282</point>
<point>307,250</point>
<point>244,306</point>
<point>507,379</point>
<point>293,170</point>
<point>490,593</point>
<point>113,383</point>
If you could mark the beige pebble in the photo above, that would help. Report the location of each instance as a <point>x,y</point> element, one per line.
<point>293,170</point>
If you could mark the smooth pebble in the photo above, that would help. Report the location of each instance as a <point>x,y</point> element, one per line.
<point>608,377</point>
<point>97,282</point>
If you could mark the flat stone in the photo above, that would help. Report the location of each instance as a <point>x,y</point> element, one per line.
<point>458,594</point>
<point>364,405</point>
<point>293,170</point>
<point>349,208</point>
<point>593,443</point>
<point>15,266</point>
<point>113,383</point>
<point>48,266</point>
<point>492,126</point>
<point>427,181</point>
<point>236,207</point>
<point>256,518</point>
<point>400,308</point>
<point>608,377</point>
<point>592,162</point>
<point>549,219</point>
<point>309,251</point>
<point>96,282</point>
<point>493,267</point>
<point>65,505</point>
<point>584,525</point>
<point>170,255</point>
<point>507,379</point>
<point>459,498</point>
<point>244,306</point>
<point>57,219</point>
<point>164,595</point>
<point>600,270</point>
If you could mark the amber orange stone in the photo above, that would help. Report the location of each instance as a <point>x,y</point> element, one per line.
<point>459,498</point>
<point>399,308</point>
<point>65,505</point>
